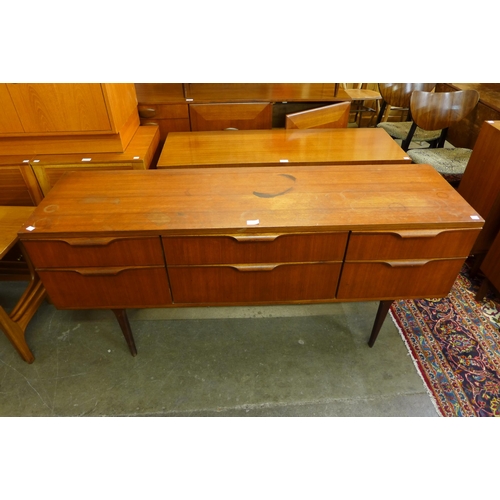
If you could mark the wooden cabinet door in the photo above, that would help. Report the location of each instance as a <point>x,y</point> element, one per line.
<point>9,119</point>
<point>61,107</point>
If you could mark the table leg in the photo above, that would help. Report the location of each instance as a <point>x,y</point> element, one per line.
<point>121,316</point>
<point>383,309</point>
<point>483,290</point>
<point>15,323</point>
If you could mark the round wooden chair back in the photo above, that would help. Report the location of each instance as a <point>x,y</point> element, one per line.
<point>399,94</point>
<point>440,110</point>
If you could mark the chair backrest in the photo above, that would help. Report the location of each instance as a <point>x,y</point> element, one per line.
<point>399,94</point>
<point>440,110</point>
<point>333,116</point>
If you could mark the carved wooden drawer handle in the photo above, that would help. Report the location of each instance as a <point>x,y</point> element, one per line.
<point>96,272</point>
<point>424,233</point>
<point>406,263</point>
<point>242,238</point>
<point>89,242</point>
<point>255,267</point>
<point>147,112</point>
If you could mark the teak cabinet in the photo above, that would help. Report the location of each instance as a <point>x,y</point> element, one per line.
<point>48,169</point>
<point>25,180</point>
<point>191,237</point>
<point>480,184</point>
<point>41,118</point>
<point>491,268</point>
<point>184,107</point>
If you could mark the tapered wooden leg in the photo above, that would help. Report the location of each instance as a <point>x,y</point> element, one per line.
<point>15,323</point>
<point>383,309</point>
<point>15,334</point>
<point>478,260</point>
<point>483,290</point>
<point>121,316</point>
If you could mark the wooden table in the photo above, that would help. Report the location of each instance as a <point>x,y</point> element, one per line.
<point>249,235</point>
<point>15,323</point>
<point>281,147</point>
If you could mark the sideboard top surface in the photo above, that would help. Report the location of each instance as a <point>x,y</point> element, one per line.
<point>250,199</point>
<point>271,147</point>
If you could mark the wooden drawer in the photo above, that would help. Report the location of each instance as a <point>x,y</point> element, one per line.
<point>253,283</point>
<point>250,248</point>
<point>398,279</point>
<point>95,252</point>
<point>170,111</point>
<point>241,116</point>
<point>412,244</point>
<point>107,288</point>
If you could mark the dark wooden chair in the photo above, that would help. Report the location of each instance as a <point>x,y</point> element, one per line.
<point>438,111</point>
<point>333,116</point>
<point>397,95</point>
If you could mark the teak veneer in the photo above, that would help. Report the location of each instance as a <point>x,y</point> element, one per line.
<point>280,147</point>
<point>249,235</point>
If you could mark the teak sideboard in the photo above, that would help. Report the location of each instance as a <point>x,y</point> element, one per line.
<point>249,235</point>
<point>280,147</point>
<point>182,107</point>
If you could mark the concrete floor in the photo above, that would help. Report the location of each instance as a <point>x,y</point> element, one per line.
<point>227,362</point>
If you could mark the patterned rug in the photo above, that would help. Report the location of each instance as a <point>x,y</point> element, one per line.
<point>455,345</point>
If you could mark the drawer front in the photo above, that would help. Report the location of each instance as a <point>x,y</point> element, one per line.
<point>95,252</point>
<point>413,244</point>
<point>107,288</point>
<point>398,279</point>
<point>171,111</point>
<point>241,116</point>
<point>288,282</point>
<point>247,249</point>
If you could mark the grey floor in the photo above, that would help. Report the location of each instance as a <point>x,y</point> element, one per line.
<point>280,361</point>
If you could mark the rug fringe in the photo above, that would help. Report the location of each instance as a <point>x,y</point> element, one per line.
<point>419,371</point>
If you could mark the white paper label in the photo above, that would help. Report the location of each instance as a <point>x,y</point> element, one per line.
<point>254,222</point>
